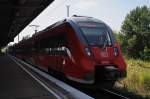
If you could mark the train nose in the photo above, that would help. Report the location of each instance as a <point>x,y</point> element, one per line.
<point>102,56</point>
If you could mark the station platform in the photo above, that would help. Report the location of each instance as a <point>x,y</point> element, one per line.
<point>15,83</point>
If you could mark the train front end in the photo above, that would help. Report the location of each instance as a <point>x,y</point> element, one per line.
<point>102,59</point>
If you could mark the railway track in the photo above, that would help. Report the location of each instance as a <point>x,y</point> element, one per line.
<point>104,94</point>
<point>114,95</point>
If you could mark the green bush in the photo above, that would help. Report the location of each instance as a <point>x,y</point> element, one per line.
<point>146,53</point>
<point>138,77</point>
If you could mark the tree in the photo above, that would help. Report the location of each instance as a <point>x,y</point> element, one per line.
<point>121,40</point>
<point>136,31</point>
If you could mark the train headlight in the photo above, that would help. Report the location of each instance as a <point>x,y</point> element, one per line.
<point>88,51</point>
<point>116,51</point>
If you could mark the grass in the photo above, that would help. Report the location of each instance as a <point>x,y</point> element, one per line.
<point>138,77</point>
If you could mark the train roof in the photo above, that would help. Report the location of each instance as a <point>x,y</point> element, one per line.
<point>44,32</point>
<point>74,18</point>
<point>77,19</point>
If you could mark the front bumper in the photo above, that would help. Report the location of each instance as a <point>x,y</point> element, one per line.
<point>105,73</point>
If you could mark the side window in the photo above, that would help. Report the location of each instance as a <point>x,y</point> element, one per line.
<point>57,45</point>
<point>54,45</point>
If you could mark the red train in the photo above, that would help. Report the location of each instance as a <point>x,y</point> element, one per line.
<point>82,48</point>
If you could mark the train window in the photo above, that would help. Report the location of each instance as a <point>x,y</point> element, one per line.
<point>90,24</point>
<point>95,33</point>
<point>58,51</point>
<point>53,45</point>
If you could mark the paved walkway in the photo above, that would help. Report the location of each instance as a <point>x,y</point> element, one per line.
<point>17,84</point>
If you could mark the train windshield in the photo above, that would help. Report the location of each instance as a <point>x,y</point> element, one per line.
<point>95,33</point>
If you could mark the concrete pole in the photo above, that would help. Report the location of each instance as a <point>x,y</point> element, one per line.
<point>68,6</point>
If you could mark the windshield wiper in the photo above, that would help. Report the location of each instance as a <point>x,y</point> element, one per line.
<point>105,42</point>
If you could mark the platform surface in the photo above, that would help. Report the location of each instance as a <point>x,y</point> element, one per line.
<point>15,83</point>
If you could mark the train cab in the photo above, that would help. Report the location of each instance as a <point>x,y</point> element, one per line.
<point>100,57</point>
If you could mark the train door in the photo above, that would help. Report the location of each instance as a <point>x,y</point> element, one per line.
<point>61,52</point>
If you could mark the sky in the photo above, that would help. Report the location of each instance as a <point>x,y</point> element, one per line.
<point>112,12</point>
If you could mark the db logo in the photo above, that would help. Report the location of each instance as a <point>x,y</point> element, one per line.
<point>104,54</point>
